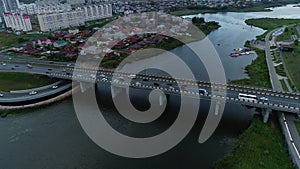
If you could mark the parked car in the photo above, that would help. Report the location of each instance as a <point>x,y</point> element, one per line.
<point>1,94</point>
<point>54,87</point>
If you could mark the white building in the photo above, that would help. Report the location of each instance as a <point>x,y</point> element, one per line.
<point>28,8</point>
<point>10,5</point>
<point>17,21</point>
<point>94,12</point>
<point>55,21</point>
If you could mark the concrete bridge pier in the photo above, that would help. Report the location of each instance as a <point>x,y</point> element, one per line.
<point>84,86</point>
<point>265,114</point>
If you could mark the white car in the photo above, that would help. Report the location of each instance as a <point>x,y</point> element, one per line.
<point>132,76</point>
<point>1,94</point>
<point>32,93</point>
<point>54,87</point>
<point>104,79</point>
<point>138,84</point>
<point>264,99</point>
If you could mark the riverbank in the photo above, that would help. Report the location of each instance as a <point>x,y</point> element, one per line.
<point>257,71</point>
<point>9,110</point>
<point>270,24</point>
<point>21,81</point>
<point>253,8</point>
<point>260,146</point>
<point>297,124</point>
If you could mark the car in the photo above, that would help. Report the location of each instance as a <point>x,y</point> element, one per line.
<point>49,69</point>
<point>1,94</point>
<point>102,75</point>
<point>171,88</point>
<point>16,65</point>
<point>12,68</point>
<point>64,70</point>
<point>145,80</point>
<point>32,93</point>
<point>3,64</point>
<point>132,76</point>
<point>29,66</point>
<point>138,84</point>
<point>203,92</point>
<point>54,87</point>
<point>104,79</point>
<point>93,76</point>
<point>264,99</point>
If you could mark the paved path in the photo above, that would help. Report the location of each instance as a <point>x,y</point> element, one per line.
<point>288,125</point>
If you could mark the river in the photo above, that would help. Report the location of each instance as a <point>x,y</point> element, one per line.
<point>52,137</point>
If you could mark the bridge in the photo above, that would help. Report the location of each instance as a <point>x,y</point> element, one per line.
<point>276,100</point>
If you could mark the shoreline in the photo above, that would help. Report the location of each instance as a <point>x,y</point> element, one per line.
<point>256,8</point>
<point>238,156</point>
<point>8,110</point>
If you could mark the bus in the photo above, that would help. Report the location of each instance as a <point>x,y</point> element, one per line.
<point>247,97</point>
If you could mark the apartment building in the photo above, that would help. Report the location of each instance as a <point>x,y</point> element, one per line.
<point>55,21</point>
<point>17,21</point>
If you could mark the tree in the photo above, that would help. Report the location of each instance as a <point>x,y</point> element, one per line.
<point>296,42</point>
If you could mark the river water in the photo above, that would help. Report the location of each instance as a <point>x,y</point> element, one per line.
<point>52,137</point>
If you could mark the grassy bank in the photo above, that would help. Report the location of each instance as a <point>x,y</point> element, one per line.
<point>298,126</point>
<point>260,146</point>
<point>271,23</point>
<point>21,81</point>
<point>257,71</point>
<point>292,60</point>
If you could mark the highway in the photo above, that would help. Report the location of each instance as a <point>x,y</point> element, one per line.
<point>277,100</point>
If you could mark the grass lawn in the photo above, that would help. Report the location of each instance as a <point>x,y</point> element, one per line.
<point>261,146</point>
<point>284,87</point>
<point>298,126</point>
<point>258,72</point>
<point>292,60</point>
<point>271,23</point>
<point>21,81</point>
<point>280,70</point>
<point>8,39</point>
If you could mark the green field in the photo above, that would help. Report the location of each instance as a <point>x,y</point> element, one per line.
<point>21,81</point>
<point>9,39</point>
<point>261,146</point>
<point>292,60</point>
<point>271,23</point>
<point>258,72</point>
<point>298,126</point>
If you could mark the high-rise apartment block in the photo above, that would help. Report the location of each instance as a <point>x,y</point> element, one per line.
<point>10,5</point>
<point>17,21</point>
<point>55,21</point>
